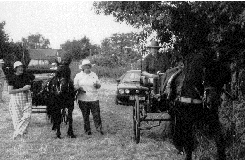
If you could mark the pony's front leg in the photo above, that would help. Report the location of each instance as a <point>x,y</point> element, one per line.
<point>58,133</point>
<point>221,147</point>
<point>219,140</point>
<point>57,121</point>
<point>70,121</point>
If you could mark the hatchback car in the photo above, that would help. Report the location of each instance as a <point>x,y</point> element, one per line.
<point>127,86</point>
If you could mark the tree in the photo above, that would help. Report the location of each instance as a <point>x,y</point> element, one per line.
<point>79,49</point>
<point>3,40</point>
<point>193,27</point>
<point>11,51</point>
<point>121,49</point>
<point>36,41</point>
<point>196,26</point>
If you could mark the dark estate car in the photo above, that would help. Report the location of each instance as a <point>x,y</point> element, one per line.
<point>127,86</point>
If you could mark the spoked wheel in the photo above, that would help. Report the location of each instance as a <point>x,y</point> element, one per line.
<point>173,125</point>
<point>136,119</point>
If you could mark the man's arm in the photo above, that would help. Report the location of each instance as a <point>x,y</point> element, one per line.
<point>149,75</point>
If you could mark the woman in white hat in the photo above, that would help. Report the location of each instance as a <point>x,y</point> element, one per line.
<point>20,105</point>
<point>88,83</point>
<point>2,79</point>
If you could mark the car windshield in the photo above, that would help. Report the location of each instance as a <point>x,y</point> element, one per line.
<point>131,77</point>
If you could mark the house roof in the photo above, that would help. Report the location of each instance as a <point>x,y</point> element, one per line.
<point>45,54</point>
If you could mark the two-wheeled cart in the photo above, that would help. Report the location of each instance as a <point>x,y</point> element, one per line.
<point>143,108</point>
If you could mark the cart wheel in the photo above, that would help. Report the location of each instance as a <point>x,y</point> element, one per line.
<point>136,120</point>
<point>173,125</point>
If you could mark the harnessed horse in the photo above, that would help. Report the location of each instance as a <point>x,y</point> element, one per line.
<point>60,99</point>
<point>195,100</point>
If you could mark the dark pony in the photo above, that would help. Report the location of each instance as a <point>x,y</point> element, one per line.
<point>59,98</point>
<point>195,102</point>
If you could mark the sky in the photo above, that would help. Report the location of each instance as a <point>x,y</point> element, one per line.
<point>58,21</point>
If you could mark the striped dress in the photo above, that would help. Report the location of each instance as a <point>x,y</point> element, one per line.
<point>20,108</point>
<point>20,105</point>
<point>2,77</point>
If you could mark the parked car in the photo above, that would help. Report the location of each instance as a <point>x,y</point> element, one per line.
<point>127,86</point>
<point>43,76</point>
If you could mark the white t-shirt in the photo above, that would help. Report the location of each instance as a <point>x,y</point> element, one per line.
<point>87,82</point>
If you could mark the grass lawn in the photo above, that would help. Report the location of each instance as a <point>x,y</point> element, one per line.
<point>117,143</point>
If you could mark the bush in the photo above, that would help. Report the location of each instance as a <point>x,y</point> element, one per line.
<point>233,118</point>
<point>106,72</point>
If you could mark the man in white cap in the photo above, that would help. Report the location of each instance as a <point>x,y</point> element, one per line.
<point>2,79</point>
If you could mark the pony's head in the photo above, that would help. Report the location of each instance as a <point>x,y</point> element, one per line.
<point>63,69</point>
<point>217,73</point>
<point>192,77</point>
<point>62,80</point>
<point>204,78</point>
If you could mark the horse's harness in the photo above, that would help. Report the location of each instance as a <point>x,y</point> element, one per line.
<point>57,86</point>
<point>203,97</point>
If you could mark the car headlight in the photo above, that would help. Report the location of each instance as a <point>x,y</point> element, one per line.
<point>121,91</point>
<point>137,91</point>
<point>127,91</point>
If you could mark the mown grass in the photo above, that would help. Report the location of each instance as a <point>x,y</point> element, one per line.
<point>117,143</point>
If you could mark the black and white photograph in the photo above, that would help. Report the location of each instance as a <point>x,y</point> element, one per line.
<point>122,80</point>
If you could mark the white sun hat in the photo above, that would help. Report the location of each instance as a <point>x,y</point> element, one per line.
<point>85,62</point>
<point>17,64</point>
<point>1,61</point>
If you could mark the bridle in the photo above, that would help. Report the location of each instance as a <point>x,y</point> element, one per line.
<point>211,91</point>
<point>207,90</point>
<point>202,93</point>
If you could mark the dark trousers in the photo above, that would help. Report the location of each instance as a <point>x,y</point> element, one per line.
<point>86,107</point>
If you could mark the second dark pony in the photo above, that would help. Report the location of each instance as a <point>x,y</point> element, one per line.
<point>195,100</point>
